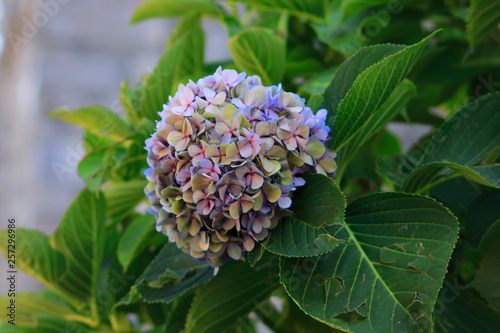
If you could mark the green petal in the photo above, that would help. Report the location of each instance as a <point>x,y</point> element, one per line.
<point>315,148</point>
<point>272,192</point>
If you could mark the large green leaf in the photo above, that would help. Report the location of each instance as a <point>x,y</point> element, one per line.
<point>429,175</point>
<point>320,202</point>
<point>30,305</point>
<point>135,238</point>
<point>314,10</point>
<point>457,144</point>
<point>80,237</point>
<point>490,237</point>
<point>387,111</point>
<point>370,90</point>
<point>168,276</point>
<point>232,294</point>
<point>36,257</point>
<point>47,324</point>
<point>177,317</point>
<point>174,8</point>
<point>182,59</point>
<point>481,214</point>
<point>387,276</point>
<point>258,51</point>
<point>462,311</point>
<point>468,135</point>
<point>349,71</point>
<point>69,261</point>
<point>350,7</point>
<point>123,197</point>
<point>484,17</point>
<point>96,119</point>
<point>294,238</point>
<point>487,279</point>
<point>129,100</point>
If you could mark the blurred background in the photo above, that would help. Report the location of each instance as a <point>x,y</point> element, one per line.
<point>64,53</point>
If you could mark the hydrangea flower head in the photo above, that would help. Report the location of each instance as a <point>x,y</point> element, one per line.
<point>225,159</point>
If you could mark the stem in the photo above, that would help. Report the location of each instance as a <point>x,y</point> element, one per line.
<point>435,183</point>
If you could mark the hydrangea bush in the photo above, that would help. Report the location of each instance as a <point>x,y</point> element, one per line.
<point>225,159</point>
<point>282,213</point>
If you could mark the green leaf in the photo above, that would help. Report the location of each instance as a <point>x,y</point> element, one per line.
<point>462,311</point>
<point>173,8</point>
<point>481,215</point>
<point>182,59</point>
<point>492,157</point>
<point>94,168</point>
<point>370,90</point>
<point>483,19</point>
<point>129,100</point>
<point>96,119</point>
<point>46,324</point>
<point>177,317</point>
<point>490,237</point>
<point>363,163</point>
<point>123,197</point>
<point>135,238</point>
<point>458,139</point>
<point>429,175</point>
<point>37,258</point>
<point>487,279</point>
<point>232,294</point>
<point>294,238</point>
<point>320,202</point>
<point>69,261</point>
<point>350,7</point>
<point>387,275</point>
<point>80,237</point>
<point>30,305</point>
<point>387,111</point>
<point>55,324</point>
<point>314,102</point>
<point>258,51</point>
<point>313,10</point>
<point>318,83</point>
<point>349,71</point>
<point>171,274</point>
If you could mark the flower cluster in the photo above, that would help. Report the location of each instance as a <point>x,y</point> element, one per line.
<point>225,158</point>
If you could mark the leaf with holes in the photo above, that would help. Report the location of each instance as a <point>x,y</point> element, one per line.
<point>170,274</point>
<point>387,275</point>
<point>320,202</point>
<point>294,238</point>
